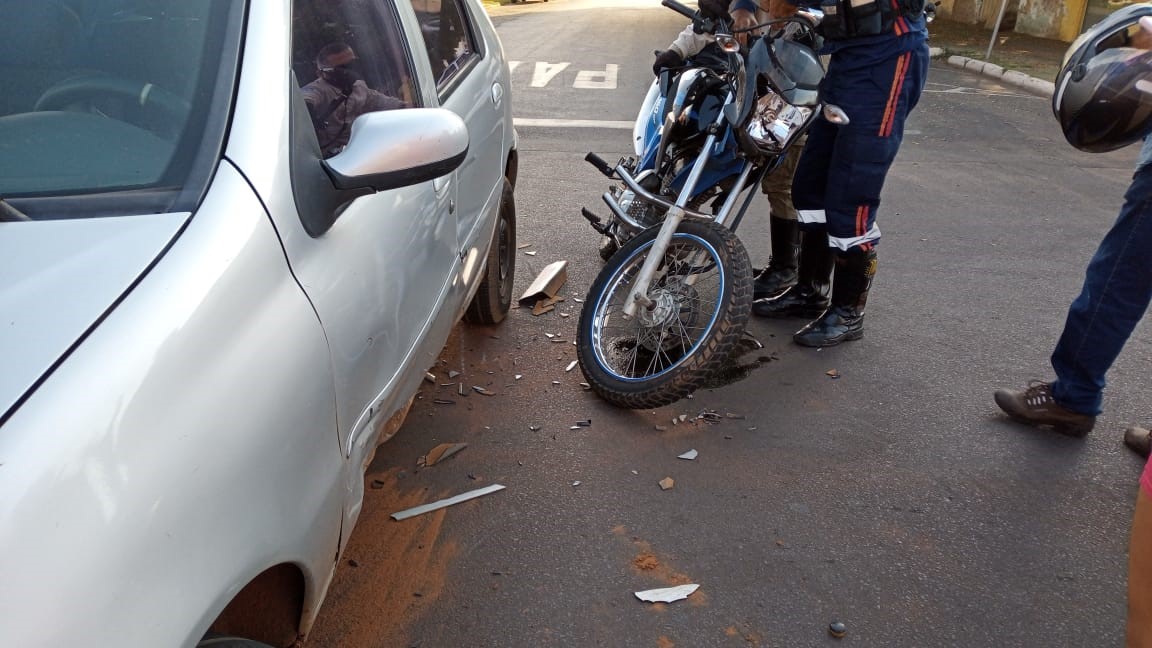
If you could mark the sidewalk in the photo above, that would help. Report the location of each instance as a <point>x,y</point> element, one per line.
<point>1020,60</point>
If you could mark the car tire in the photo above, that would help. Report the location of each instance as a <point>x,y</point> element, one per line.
<point>494,296</point>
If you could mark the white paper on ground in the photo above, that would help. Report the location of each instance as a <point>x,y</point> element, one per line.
<point>690,455</point>
<point>667,594</point>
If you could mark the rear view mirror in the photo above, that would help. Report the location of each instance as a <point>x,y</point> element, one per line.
<point>399,148</point>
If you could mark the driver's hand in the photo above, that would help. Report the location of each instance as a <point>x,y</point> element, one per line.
<point>742,19</point>
<point>1142,39</point>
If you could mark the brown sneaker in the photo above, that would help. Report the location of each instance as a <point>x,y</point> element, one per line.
<point>1139,440</point>
<point>1036,406</point>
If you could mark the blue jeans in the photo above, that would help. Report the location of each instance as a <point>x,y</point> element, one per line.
<point>1117,290</point>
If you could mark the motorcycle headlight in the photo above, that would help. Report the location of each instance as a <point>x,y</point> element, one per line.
<point>775,123</point>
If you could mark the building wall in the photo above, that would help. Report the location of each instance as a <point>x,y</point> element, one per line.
<point>1056,19</point>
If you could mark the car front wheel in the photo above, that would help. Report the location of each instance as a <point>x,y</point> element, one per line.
<point>494,296</point>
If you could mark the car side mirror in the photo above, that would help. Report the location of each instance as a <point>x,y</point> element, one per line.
<point>399,148</point>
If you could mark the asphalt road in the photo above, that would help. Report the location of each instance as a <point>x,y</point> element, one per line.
<point>894,498</point>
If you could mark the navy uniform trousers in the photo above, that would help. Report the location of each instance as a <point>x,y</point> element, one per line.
<point>841,171</point>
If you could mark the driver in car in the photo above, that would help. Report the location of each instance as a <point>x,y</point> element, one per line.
<point>339,95</point>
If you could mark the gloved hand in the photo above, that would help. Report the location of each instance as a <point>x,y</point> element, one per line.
<point>666,59</point>
<point>714,9</point>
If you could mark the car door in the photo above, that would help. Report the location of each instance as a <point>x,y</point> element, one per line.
<point>378,266</point>
<point>469,81</point>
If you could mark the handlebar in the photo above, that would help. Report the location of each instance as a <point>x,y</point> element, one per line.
<point>700,24</point>
<point>679,8</point>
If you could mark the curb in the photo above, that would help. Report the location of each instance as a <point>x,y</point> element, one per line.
<point>984,68</point>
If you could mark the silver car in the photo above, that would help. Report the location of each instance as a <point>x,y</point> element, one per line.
<point>233,237</point>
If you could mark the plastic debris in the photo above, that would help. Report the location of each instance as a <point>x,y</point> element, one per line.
<point>547,283</point>
<point>635,472</point>
<point>572,365</point>
<point>453,374</point>
<point>523,246</point>
<point>430,377</point>
<point>667,483</point>
<point>482,391</point>
<point>586,386</point>
<point>555,382</point>
<point>667,594</point>
<point>439,504</point>
<point>533,428</point>
<point>519,376</point>
<point>443,401</point>
<point>531,253</point>
<point>832,373</point>
<point>440,453</point>
<point>576,483</point>
<point>690,455</point>
<point>549,335</point>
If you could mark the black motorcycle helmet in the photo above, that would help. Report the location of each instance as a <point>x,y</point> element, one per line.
<point>1102,97</point>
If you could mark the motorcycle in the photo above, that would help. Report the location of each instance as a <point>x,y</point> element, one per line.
<point>674,296</point>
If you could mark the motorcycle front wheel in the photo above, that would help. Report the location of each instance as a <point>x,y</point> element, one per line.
<point>702,296</point>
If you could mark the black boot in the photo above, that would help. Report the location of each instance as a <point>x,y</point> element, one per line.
<point>808,297</point>
<point>844,319</point>
<point>781,271</point>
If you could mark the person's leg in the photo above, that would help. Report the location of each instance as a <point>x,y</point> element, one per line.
<point>780,273</point>
<point>1140,567</point>
<point>1116,293</point>
<point>808,297</point>
<point>882,97</point>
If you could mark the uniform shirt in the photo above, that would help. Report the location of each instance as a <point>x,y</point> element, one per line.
<point>906,35</point>
<point>336,119</point>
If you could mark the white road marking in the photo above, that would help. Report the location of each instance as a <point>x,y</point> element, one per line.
<point>545,72</point>
<point>571,123</point>
<point>592,80</point>
<point>942,88</point>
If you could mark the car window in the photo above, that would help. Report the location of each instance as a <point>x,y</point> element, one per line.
<point>112,96</point>
<point>349,58</point>
<point>448,38</point>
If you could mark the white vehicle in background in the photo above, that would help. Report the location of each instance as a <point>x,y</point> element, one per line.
<point>206,326</point>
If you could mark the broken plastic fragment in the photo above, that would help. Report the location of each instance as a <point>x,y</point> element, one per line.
<point>440,453</point>
<point>576,483</point>
<point>547,283</point>
<point>453,374</point>
<point>439,504</point>
<point>667,594</point>
<point>549,335</point>
<point>481,390</point>
<point>572,365</point>
<point>690,455</point>
<point>667,483</point>
<point>519,376</point>
<point>430,377</point>
<point>833,373</point>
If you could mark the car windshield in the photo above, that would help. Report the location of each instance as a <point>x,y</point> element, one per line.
<point>112,106</point>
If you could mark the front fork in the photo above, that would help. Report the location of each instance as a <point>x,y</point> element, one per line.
<point>639,295</point>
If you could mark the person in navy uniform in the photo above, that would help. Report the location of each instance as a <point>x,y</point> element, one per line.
<point>877,70</point>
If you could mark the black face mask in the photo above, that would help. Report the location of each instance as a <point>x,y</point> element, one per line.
<point>344,76</point>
